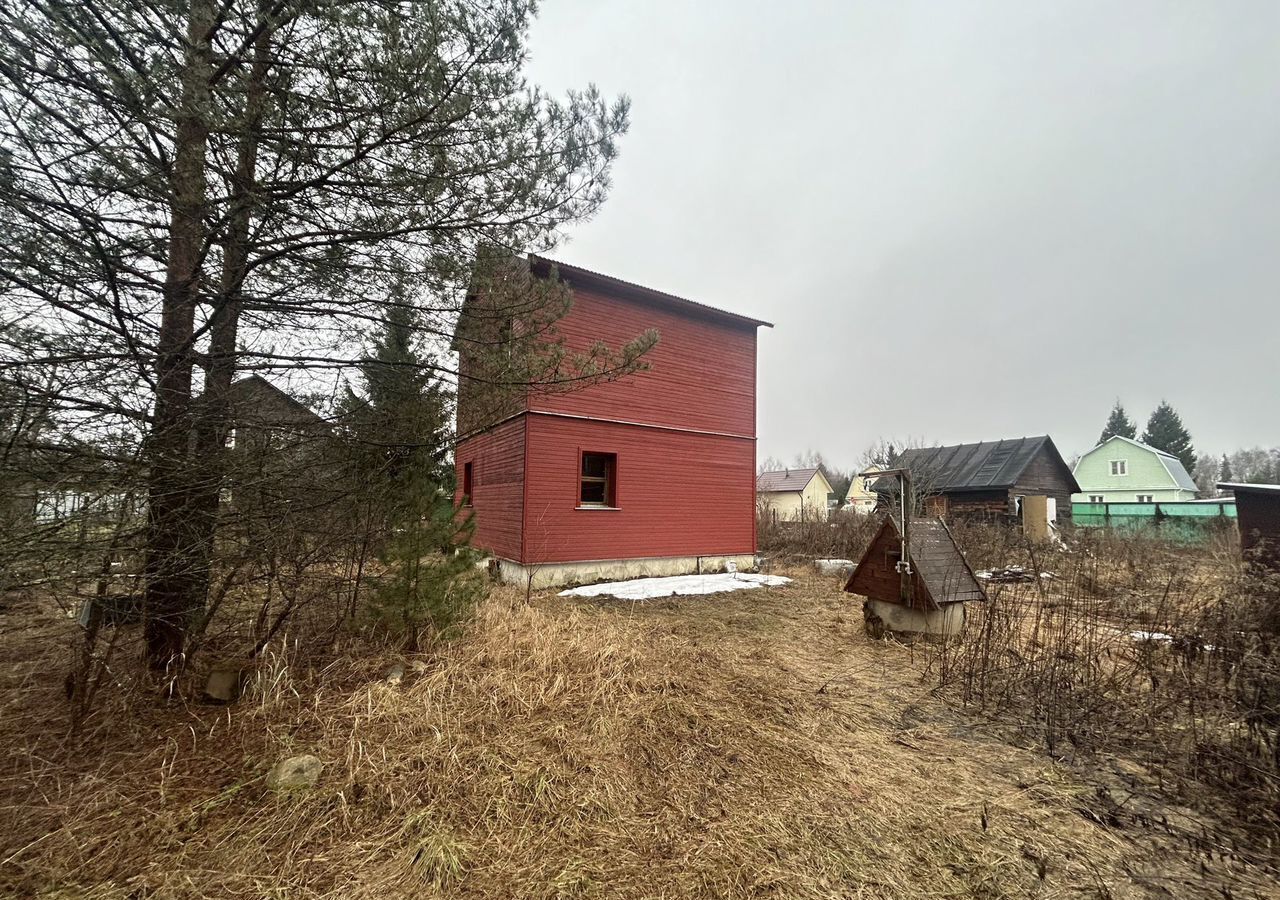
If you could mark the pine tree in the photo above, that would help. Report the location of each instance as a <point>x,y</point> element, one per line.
<point>1224,470</point>
<point>1118,424</point>
<point>179,181</point>
<point>1166,432</point>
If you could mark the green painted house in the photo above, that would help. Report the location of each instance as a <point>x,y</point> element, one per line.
<point>1122,470</point>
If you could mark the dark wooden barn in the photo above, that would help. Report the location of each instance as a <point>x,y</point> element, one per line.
<point>1258,515</point>
<point>986,479</point>
<point>941,580</point>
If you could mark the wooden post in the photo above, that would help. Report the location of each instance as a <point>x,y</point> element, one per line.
<point>904,564</point>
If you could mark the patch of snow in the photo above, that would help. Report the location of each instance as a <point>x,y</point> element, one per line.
<point>682,585</point>
<point>1159,636</point>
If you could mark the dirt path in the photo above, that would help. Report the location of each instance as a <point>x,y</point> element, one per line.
<point>1005,814</point>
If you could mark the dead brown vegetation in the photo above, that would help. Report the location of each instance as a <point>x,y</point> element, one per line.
<point>1124,652</point>
<point>738,746</point>
<point>1166,655</point>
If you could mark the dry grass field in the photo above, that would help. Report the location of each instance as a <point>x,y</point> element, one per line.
<point>752,744</point>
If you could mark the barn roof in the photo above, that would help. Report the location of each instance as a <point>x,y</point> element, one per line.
<point>987,465</point>
<point>936,559</point>
<point>785,480</point>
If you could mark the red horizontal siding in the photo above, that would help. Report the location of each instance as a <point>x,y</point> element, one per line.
<point>702,373</point>
<point>678,493</point>
<point>497,486</point>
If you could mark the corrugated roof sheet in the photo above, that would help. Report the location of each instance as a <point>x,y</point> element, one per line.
<point>785,480</point>
<point>970,467</point>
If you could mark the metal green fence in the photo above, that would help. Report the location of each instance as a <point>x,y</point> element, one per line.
<point>1182,521</point>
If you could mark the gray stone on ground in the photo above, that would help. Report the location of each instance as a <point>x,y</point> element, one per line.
<point>843,567</point>
<point>295,773</point>
<point>226,680</point>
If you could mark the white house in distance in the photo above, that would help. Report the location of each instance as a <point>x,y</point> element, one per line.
<point>794,494</point>
<point>1122,470</point>
<point>860,498</point>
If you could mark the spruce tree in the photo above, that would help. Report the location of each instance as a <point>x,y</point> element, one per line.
<point>400,431</point>
<point>400,424</point>
<point>1166,432</point>
<point>1118,424</point>
<point>1224,470</point>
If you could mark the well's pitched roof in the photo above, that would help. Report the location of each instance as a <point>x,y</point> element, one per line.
<point>936,559</point>
<point>785,480</point>
<point>1178,473</point>
<point>941,565</point>
<point>988,465</point>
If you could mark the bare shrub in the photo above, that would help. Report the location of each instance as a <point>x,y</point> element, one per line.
<point>1126,644</point>
<point>843,535</point>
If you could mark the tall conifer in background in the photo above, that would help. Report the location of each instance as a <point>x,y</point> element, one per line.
<point>1118,424</point>
<point>1166,432</point>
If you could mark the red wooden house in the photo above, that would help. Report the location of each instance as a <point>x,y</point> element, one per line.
<point>651,474</point>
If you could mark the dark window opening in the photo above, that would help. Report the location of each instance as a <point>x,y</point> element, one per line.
<point>466,484</point>
<point>596,486</point>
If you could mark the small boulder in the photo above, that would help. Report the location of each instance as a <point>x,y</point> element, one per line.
<point>295,773</point>
<point>226,680</point>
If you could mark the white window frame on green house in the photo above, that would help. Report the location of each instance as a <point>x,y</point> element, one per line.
<point>1097,498</point>
<point>1146,498</point>
<point>1119,467</point>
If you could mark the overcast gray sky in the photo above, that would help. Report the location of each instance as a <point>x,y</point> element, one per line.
<point>968,220</point>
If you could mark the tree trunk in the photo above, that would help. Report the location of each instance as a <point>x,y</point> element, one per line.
<point>170,597</point>
<point>213,412</point>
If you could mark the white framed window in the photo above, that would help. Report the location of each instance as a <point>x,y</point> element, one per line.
<point>1097,498</point>
<point>1119,467</point>
<point>1146,498</point>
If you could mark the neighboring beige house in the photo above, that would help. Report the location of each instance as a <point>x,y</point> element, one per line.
<point>794,494</point>
<point>860,498</point>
